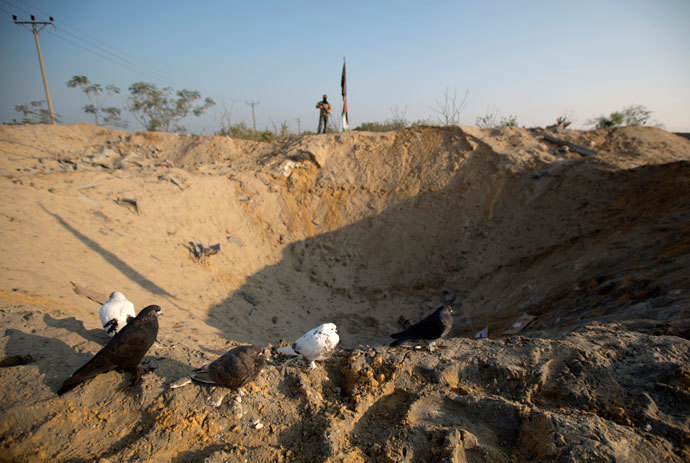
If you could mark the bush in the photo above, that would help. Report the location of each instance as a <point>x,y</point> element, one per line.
<point>632,115</point>
<point>490,120</point>
<point>242,131</point>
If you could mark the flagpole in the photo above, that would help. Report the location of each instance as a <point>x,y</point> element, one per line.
<point>343,91</point>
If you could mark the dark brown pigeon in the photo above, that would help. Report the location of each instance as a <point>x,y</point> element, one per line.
<point>124,350</point>
<point>433,327</point>
<point>235,368</point>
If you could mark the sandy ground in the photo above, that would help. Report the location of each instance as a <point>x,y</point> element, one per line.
<point>366,231</point>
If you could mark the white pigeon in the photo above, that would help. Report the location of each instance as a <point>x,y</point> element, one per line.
<point>116,312</point>
<point>316,344</point>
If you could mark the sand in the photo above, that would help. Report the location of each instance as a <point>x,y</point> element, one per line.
<point>368,231</point>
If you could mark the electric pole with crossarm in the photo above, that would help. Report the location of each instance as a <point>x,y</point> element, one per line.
<point>252,104</point>
<point>36,30</point>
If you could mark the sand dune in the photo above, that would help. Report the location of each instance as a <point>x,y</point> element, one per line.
<point>364,230</point>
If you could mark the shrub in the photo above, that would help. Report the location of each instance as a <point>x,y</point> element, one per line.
<point>632,115</point>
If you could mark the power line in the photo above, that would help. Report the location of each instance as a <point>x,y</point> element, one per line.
<point>127,57</point>
<point>124,60</point>
<point>118,58</point>
<point>143,71</point>
<point>150,71</point>
<point>18,7</point>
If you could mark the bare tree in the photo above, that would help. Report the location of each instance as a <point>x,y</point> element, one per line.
<point>223,116</point>
<point>449,111</point>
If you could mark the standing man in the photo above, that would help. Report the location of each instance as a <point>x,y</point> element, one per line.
<point>324,111</point>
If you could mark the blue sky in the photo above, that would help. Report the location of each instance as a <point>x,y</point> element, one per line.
<point>534,59</point>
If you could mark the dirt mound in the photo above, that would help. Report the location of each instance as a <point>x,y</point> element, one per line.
<point>367,231</point>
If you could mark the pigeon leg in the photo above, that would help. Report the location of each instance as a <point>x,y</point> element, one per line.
<point>181,382</point>
<point>312,365</point>
<point>289,361</point>
<point>217,396</point>
<point>138,371</point>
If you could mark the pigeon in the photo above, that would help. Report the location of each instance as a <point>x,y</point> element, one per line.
<point>124,350</point>
<point>116,313</point>
<point>316,344</point>
<point>432,327</point>
<point>234,369</point>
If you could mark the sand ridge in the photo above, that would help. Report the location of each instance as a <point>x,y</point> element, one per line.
<point>363,230</point>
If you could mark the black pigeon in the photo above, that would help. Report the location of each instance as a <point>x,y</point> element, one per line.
<point>234,368</point>
<point>124,350</point>
<point>433,327</point>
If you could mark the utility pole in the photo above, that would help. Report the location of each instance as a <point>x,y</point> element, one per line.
<point>299,126</point>
<point>252,104</point>
<point>35,31</point>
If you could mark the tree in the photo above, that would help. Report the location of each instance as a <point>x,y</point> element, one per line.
<point>163,109</point>
<point>449,111</point>
<point>35,113</point>
<point>95,107</point>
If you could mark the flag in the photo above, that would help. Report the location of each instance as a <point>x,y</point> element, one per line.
<point>343,87</point>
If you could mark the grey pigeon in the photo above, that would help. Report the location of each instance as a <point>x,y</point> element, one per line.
<point>432,327</point>
<point>234,369</point>
<point>124,350</point>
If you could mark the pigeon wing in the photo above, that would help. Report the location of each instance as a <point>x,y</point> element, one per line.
<point>124,350</point>
<point>134,341</point>
<point>234,369</point>
<point>316,344</point>
<point>431,327</point>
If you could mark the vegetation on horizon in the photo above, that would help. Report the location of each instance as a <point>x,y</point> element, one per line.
<point>162,109</point>
<point>490,120</point>
<point>633,115</point>
<point>35,112</point>
<point>95,107</point>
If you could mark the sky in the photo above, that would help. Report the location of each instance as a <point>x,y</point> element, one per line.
<point>535,60</point>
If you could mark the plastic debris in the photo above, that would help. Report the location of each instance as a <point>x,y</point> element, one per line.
<point>200,250</point>
<point>520,324</point>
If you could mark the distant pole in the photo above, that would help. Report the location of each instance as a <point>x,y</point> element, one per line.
<point>40,57</point>
<point>299,126</point>
<point>252,104</point>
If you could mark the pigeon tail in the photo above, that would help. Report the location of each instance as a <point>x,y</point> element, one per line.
<point>66,388</point>
<point>288,350</point>
<point>111,327</point>
<point>86,372</point>
<point>202,376</point>
<point>397,342</point>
